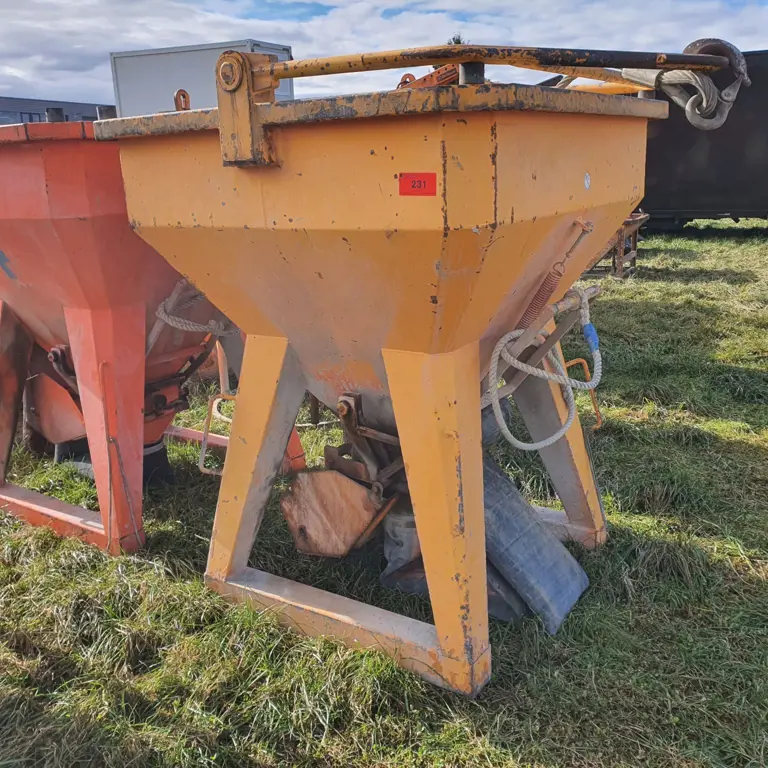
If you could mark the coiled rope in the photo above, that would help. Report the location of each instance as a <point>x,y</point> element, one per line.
<point>567,384</point>
<point>184,296</point>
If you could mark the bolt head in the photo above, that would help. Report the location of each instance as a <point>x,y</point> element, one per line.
<point>230,73</point>
<point>227,72</point>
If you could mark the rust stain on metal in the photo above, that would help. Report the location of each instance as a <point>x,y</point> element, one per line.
<point>515,56</point>
<point>458,98</point>
<point>494,158</point>
<point>403,102</point>
<point>444,191</point>
<point>157,125</point>
<point>459,496</point>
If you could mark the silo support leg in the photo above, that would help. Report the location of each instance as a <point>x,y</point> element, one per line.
<point>441,445</point>
<point>436,399</point>
<point>568,462</point>
<point>15,351</point>
<point>269,397</point>
<point>108,353</point>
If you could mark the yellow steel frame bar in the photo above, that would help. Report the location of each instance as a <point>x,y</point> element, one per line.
<point>394,103</point>
<point>245,81</point>
<point>612,76</point>
<point>437,406</point>
<point>567,461</point>
<point>534,58</point>
<point>246,97</point>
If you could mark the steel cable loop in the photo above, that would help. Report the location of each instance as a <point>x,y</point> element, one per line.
<point>707,109</point>
<point>710,95</point>
<point>567,384</point>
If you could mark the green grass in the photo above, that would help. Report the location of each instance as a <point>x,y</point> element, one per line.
<point>664,661</point>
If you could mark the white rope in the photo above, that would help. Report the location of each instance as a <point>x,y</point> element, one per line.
<point>567,385</point>
<point>216,327</point>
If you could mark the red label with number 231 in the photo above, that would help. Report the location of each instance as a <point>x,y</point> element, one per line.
<point>421,184</point>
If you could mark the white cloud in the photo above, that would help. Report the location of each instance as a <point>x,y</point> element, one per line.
<point>60,48</point>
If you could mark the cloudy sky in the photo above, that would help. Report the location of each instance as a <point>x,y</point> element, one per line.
<point>59,49</point>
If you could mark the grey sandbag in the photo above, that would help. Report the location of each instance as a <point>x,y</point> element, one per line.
<point>403,572</point>
<point>530,558</point>
<point>528,568</point>
<point>503,602</point>
<point>488,423</point>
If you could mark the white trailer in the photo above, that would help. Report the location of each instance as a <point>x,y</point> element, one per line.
<point>145,81</point>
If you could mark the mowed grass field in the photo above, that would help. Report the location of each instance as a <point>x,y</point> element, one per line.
<point>664,661</point>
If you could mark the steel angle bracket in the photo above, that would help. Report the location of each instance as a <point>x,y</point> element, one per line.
<point>240,88</point>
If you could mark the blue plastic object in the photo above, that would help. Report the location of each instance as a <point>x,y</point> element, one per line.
<point>590,334</point>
